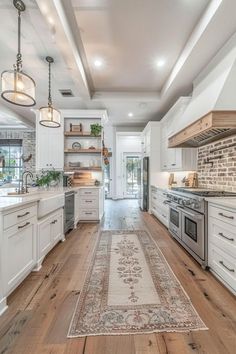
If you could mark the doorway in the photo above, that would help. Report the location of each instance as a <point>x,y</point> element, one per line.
<point>131,176</point>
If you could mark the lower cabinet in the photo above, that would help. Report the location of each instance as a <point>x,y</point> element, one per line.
<point>19,256</point>
<point>158,206</point>
<point>18,248</point>
<point>222,244</point>
<point>90,204</point>
<point>50,231</point>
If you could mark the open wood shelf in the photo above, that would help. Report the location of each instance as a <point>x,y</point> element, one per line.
<point>81,135</point>
<point>83,151</point>
<point>74,169</point>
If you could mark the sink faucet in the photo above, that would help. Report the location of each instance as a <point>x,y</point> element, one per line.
<point>26,174</point>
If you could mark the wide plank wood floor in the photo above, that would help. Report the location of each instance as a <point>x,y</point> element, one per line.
<point>40,309</point>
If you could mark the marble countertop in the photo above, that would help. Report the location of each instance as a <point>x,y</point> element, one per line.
<point>10,202</point>
<point>224,202</point>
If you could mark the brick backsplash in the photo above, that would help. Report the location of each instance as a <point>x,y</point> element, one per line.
<point>221,172</point>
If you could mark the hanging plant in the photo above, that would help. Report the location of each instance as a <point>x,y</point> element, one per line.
<point>96,129</point>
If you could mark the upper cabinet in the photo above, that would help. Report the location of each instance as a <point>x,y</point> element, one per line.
<point>176,159</point>
<point>49,147</point>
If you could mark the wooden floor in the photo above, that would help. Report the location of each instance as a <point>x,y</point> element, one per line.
<point>40,309</point>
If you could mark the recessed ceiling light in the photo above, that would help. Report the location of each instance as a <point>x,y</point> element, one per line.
<point>130,114</point>
<point>160,63</point>
<point>98,63</point>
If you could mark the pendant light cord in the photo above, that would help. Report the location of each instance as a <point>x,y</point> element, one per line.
<point>19,56</point>
<point>49,85</point>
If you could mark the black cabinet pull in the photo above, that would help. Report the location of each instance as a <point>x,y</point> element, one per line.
<point>229,269</point>
<point>54,222</point>
<point>227,238</point>
<point>226,216</point>
<point>88,213</point>
<point>173,164</point>
<point>22,215</point>
<point>22,226</point>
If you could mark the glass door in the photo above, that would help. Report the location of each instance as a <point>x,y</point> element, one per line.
<point>108,179</point>
<point>132,171</point>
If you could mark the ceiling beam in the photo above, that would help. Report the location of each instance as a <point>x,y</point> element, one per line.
<point>65,36</point>
<point>8,113</point>
<point>126,96</point>
<point>191,43</point>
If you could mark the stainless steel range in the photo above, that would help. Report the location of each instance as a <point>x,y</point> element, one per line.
<point>188,219</point>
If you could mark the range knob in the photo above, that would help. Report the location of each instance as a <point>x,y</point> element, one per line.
<point>186,202</point>
<point>195,205</point>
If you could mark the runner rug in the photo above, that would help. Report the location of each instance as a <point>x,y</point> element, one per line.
<point>129,289</point>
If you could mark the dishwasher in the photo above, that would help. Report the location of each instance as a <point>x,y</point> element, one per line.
<point>69,211</point>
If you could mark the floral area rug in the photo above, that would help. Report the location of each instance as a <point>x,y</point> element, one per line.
<point>129,289</point>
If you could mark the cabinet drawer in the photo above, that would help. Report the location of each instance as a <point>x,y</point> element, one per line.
<point>89,202</point>
<point>225,215</point>
<point>223,264</point>
<point>18,216</point>
<point>222,235</point>
<point>88,214</point>
<point>89,191</point>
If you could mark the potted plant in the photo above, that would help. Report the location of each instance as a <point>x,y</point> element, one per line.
<point>96,129</point>
<point>48,178</point>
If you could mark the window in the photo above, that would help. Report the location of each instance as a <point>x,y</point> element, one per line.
<point>10,160</point>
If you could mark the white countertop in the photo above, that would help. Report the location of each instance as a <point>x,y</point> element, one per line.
<point>10,202</point>
<point>224,202</point>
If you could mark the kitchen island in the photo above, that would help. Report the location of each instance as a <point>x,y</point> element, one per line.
<point>32,224</point>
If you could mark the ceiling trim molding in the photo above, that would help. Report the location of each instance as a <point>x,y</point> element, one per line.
<point>191,43</point>
<point>127,96</point>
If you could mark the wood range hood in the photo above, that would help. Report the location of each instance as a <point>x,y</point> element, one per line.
<point>211,127</point>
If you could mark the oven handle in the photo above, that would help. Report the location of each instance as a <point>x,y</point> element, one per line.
<point>196,216</point>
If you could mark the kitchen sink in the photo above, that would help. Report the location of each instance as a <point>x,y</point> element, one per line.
<point>48,203</point>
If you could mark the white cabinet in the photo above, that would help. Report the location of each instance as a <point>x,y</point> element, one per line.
<point>20,253</point>
<point>50,232</point>
<point>178,159</point>
<point>77,198</point>
<point>91,204</point>
<point>158,205</point>
<point>49,147</point>
<point>18,240</point>
<point>222,244</point>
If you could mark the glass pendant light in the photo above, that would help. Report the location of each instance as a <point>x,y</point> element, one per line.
<point>49,116</point>
<point>18,87</point>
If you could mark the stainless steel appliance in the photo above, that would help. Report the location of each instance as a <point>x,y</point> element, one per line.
<point>188,215</point>
<point>69,211</point>
<point>188,218</point>
<point>144,202</point>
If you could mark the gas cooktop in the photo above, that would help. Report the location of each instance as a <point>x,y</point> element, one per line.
<point>204,192</point>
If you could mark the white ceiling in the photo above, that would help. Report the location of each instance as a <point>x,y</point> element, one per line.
<point>129,36</point>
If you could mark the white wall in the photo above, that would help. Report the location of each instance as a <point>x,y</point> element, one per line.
<point>126,142</point>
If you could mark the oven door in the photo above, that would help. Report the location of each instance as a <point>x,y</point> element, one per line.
<point>175,220</point>
<point>193,233</point>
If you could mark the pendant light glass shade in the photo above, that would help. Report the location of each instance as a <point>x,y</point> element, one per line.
<point>18,87</point>
<point>49,116</point>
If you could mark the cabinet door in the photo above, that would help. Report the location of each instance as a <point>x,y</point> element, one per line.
<point>57,227</point>
<point>164,155</point>
<point>50,148</point>
<point>44,237</point>
<point>20,254</point>
<point>77,206</point>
